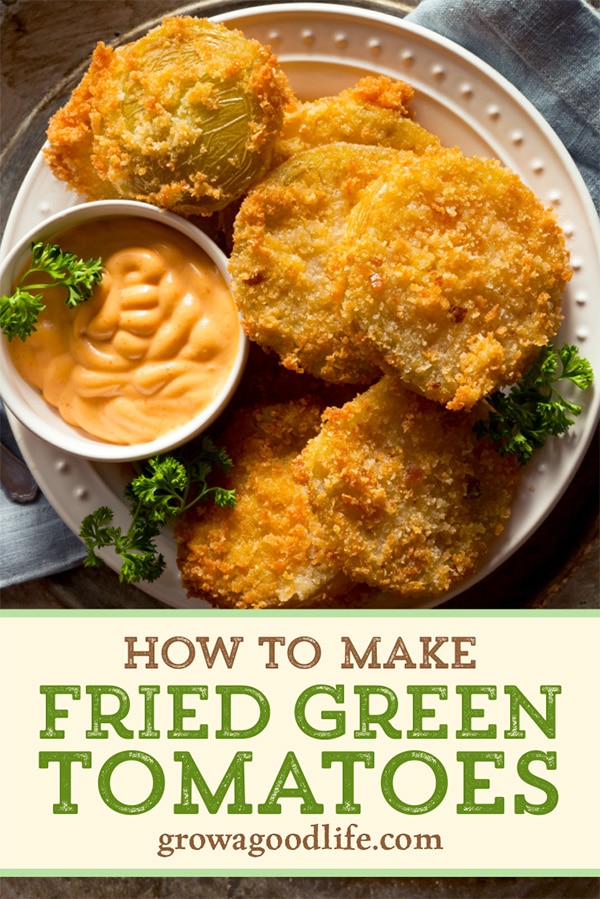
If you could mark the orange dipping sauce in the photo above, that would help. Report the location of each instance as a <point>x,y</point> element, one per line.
<point>151,348</point>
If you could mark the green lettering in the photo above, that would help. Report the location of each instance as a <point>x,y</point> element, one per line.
<point>338,717</point>
<point>65,760</point>
<point>178,691</point>
<point>191,775</point>
<point>227,731</point>
<point>521,804</point>
<point>290,766</point>
<point>471,783</point>
<point>348,806</point>
<point>518,701</point>
<point>115,719</point>
<point>156,791</point>
<point>417,692</point>
<point>387,782</point>
<point>50,691</point>
<point>468,712</point>
<point>149,691</point>
<point>365,691</point>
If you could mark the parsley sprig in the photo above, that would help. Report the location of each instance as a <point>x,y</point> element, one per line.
<point>521,419</point>
<point>164,487</point>
<point>20,311</point>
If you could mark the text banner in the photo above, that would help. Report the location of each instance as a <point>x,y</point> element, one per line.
<point>382,743</point>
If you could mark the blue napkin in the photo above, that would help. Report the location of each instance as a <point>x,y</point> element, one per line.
<point>34,542</point>
<point>549,49</point>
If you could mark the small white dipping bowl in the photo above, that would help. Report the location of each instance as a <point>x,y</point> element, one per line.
<point>27,404</point>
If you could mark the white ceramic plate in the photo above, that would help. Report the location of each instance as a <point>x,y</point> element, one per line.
<point>325,48</point>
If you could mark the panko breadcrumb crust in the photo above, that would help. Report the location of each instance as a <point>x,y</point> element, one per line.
<point>186,118</point>
<point>286,276</point>
<point>266,551</point>
<point>409,499</point>
<point>388,494</point>
<point>349,260</point>
<point>376,111</point>
<point>455,274</point>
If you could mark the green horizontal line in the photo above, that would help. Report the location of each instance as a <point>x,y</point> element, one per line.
<point>299,613</point>
<point>305,872</point>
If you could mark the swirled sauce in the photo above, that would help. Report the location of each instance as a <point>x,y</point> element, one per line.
<point>150,349</point>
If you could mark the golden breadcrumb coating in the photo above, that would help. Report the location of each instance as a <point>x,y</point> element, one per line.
<point>266,551</point>
<point>455,274</point>
<point>374,111</point>
<point>71,140</point>
<point>287,280</point>
<point>185,117</point>
<point>408,497</point>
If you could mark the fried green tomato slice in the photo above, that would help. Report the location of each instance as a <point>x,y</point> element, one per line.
<point>186,117</point>
<point>266,551</point>
<point>455,274</point>
<point>288,282</point>
<point>408,497</point>
<point>374,111</point>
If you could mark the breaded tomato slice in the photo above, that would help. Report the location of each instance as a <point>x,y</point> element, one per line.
<point>408,497</point>
<point>185,117</point>
<point>287,278</point>
<point>266,550</point>
<point>455,274</point>
<point>374,111</point>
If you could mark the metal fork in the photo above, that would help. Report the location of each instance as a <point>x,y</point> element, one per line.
<point>17,481</point>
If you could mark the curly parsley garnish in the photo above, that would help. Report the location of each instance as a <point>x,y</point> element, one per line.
<point>20,311</point>
<point>164,487</point>
<point>522,418</point>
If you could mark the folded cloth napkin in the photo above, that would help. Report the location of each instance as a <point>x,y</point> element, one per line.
<point>549,49</point>
<point>34,542</point>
